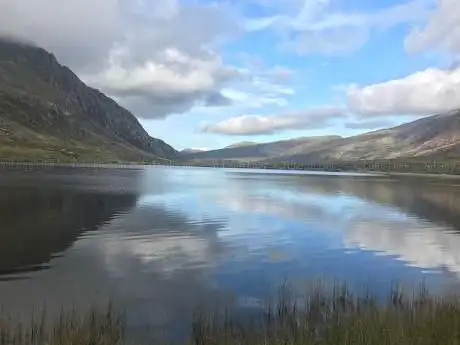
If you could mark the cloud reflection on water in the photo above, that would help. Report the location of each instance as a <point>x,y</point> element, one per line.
<point>197,234</point>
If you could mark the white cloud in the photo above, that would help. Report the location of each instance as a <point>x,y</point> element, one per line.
<point>259,92</point>
<point>196,75</point>
<point>253,99</point>
<point>317,27</point>
<point>442,31</point>
<point>174,84</point>
<point>258,124</point>
<point>422,93</point>
<point>156,57</point>
<point>260,85</point>
<point>58,26</point>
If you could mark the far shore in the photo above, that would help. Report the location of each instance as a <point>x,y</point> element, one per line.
<point>409,174</point>
<point>128,164</point>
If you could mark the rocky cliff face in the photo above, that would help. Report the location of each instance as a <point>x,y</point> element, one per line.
<point>44,105</point>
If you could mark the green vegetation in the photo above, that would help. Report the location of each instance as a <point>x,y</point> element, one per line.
<point>409,165</point>
<point>47,114</point>
<point>338,317</point>
<point>70,328</point>
<point>327,316</point>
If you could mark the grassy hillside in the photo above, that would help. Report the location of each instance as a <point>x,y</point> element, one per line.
<point>47,113</point>
<point>434,137</point>
<point>260,151</point>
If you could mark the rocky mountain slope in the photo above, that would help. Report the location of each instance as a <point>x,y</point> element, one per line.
<point>47,112</point>
<point>436,136</point>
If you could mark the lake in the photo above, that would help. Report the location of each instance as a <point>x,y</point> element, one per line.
<point>160,240</point>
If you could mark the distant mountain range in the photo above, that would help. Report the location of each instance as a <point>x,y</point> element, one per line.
<point>436,136</point>
<point>48,113</point>
<point>254,151</point>
<point>241,144</point>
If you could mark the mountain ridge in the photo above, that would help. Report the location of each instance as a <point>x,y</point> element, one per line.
<point>47,111</point>
<point>259,151</point>
<point>436,136</point>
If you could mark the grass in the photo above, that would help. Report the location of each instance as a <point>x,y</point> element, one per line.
<point>94,327</point>
<point>324,316</point>
<point>338,317</point>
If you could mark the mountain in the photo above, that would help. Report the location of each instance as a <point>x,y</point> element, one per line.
<point>191,151</point>
<point>261,151</point>
<point>241,144</point>
<point>436,136</point>
<point>47,112</point>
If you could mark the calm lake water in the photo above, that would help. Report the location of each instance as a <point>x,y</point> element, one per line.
<point>159,241</point>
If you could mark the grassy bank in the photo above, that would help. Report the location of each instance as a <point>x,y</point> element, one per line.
<point>339,317</point>
<point>95,327</point>
<point>325,316</point>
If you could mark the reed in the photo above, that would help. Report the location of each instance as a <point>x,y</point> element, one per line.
<point>336,316</point>
<point>95,327</point>
<point>323,316</point>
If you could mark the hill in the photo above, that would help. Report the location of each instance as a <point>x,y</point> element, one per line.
<point>48,113</point>
<point>191,151</point>
<point>261,151</point>
<point>437,136</point>
<point>241,144</point>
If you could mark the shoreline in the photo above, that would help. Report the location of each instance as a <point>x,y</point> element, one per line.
<point>410,174</point>
<point>103,165</point>
<point>324,314</point>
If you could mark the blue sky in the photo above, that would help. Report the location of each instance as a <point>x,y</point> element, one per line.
<point>206,74</point>
<point>318,78</point>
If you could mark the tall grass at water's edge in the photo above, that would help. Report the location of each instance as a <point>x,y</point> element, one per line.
<point>333,316</point>
<point>94,327</point>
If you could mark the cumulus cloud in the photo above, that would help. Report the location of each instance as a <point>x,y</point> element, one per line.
<point>258,124</point>
<point>442,31</point>
<point>176,84</point>
<point>157,57</point>
<point>422,93</point>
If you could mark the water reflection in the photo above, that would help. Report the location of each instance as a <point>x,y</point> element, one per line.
<point>161,262</point>
<point>415,221</point>
<point>170,238</point>
<point>42,220</point>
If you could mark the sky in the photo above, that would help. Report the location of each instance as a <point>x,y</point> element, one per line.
<point>209,73</point>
